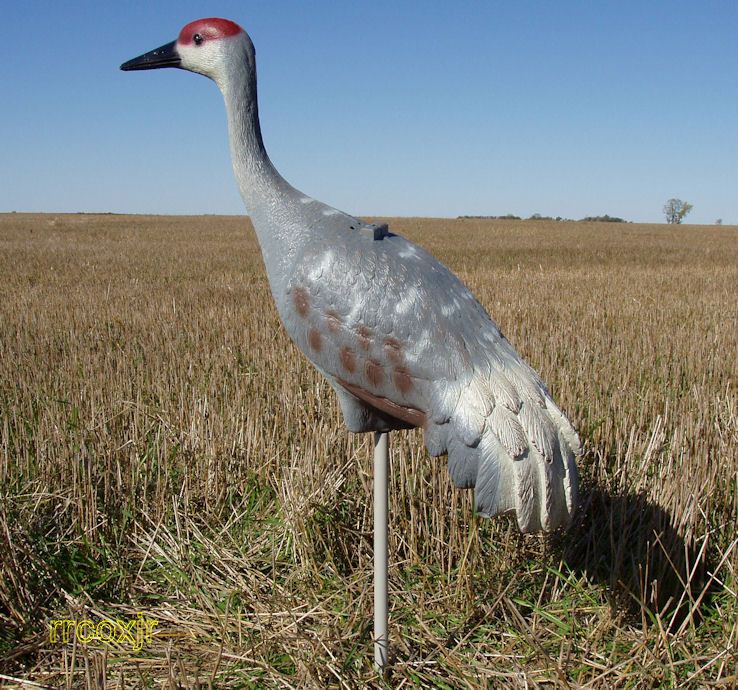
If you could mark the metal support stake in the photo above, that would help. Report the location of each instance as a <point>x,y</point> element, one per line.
<point>381,632</point>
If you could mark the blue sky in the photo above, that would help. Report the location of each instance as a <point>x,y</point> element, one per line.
<point>383,108</point>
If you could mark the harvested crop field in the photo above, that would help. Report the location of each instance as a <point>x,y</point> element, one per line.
<point>167,454</point>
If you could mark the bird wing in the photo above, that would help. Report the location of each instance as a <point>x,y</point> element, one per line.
<point>387,322</point>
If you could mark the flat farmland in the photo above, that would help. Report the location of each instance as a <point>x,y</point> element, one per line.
<point>167,453</point>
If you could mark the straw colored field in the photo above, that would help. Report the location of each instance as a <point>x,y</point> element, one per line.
<point>166,451</point>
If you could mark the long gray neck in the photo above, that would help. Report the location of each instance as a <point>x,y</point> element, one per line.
<point>267,195</point>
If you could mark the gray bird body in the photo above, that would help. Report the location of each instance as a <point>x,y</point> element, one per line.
<point>399,337</point>
<point>404,343</point>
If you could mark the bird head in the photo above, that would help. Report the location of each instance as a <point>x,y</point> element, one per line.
<point>206,46</point>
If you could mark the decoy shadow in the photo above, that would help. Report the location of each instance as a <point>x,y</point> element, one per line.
<point>632,547</point>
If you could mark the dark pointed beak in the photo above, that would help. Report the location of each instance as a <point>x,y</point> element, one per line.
<point>166,56</point>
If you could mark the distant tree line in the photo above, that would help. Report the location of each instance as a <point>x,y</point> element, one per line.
<point>537,216</point>
<point>606,219</point>
<point>675,210</point>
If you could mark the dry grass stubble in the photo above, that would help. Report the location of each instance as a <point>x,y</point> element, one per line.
<point>166,450</point>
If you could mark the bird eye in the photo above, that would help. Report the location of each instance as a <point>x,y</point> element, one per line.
<point>197,38</point>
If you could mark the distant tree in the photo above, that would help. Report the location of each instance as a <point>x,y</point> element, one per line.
<point>604,219</point>
<point>675,210</point>
<point>719,221</point>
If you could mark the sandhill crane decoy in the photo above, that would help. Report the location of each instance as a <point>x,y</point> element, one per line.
<point>398,336</point>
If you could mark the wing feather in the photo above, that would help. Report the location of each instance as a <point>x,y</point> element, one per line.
<point>506,426</point>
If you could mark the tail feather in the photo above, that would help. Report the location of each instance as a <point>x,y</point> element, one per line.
<point>527,492</point>
<point>571,483</point>
<point>565,427</point>
<point>436,439</point>
<point>509,431</point>
<point>463,463</point>
<point>516,459</point>
<point>540,429</point>
<point>494,492</point>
